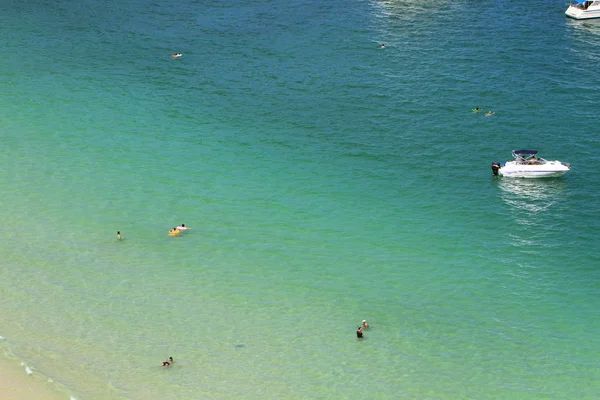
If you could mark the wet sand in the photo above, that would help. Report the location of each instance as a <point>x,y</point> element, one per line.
<point>15,384</point>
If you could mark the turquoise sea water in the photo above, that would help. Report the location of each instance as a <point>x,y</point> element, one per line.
<point>326,181</point>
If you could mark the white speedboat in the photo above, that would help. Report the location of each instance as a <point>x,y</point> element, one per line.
<point>527,165</point>
<point>582,9</point>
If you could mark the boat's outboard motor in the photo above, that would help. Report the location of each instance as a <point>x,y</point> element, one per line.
<point>495,167</point>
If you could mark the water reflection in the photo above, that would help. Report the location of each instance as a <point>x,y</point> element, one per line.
<point>588,26</point>
<point>531,196</point>
<point>585,35</point>
<point>403,9</point>
<point>533,205</point>
<point>406,9</point>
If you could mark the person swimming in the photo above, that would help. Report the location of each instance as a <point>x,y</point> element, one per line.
<point>182,227</point>
<point>382,46</point>
<point>176,55</point>
<point>168,362</point>
<point>476,109</point>
<point>119,235</point>
<point>490,113</point>
<point>365,324</point>
<point>174,232</point>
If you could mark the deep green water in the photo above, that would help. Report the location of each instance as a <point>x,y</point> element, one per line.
<point>326,181</point>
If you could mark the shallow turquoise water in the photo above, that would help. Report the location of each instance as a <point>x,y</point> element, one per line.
<point>326,181</point>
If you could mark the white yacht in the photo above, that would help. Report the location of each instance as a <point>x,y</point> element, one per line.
<point>582,9</point>
<point>527,165</point>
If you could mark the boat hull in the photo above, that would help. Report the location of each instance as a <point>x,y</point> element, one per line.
<point>551,169</point>
<point>578,13</point>
<point>531,175</point>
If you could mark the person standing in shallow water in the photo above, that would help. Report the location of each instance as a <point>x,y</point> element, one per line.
<point>359,333</point>
<point>119,235</point>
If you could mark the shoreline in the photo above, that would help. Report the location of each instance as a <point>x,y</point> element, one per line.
<point>15,384</point>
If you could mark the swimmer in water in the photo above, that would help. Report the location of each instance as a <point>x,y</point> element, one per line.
<point>119,235</point>
<point>174,231</point>
<point>365,324</point>
<point>182,227</point>
<point>382,46</point>
<point>476,109</point>
<point>490,113</point>
<point>176,55</point>
<point>168,362</point>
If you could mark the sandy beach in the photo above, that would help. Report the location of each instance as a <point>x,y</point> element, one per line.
<point>15,384</point>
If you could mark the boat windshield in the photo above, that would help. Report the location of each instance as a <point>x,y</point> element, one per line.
<point>527,157</point>
<point>584,4</point>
